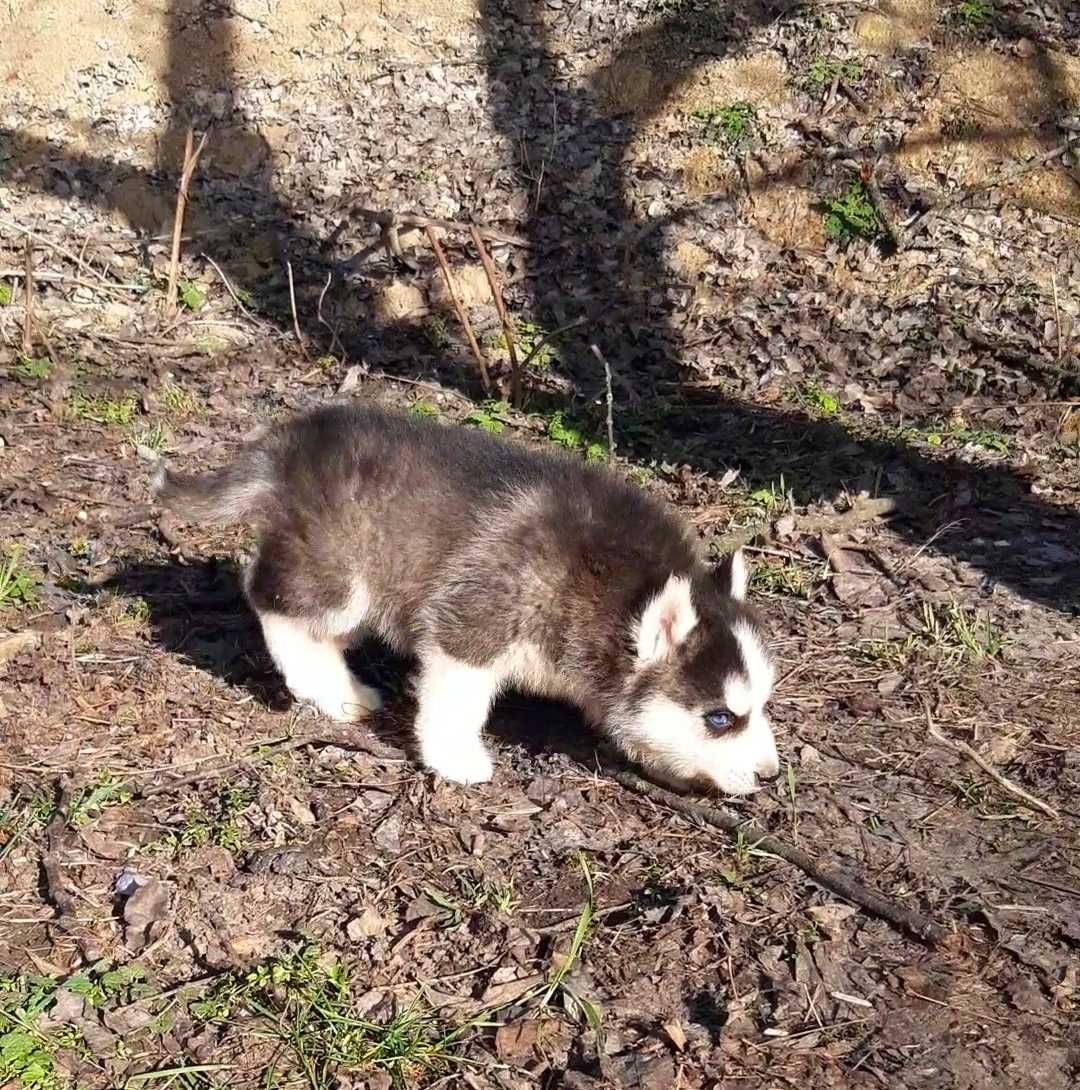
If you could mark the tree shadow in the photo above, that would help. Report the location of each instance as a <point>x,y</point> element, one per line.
<point>590,243</point>
<point>1002,524</point>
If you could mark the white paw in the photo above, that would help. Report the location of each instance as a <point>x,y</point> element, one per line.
<point>361,702</point>
<point>465,764</point>
<point>357,702</point>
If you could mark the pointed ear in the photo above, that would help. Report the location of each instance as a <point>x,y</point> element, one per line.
<point>667,620</point>
<point>732,575</point>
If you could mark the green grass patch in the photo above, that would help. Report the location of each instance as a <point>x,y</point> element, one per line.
<point>770,498</point>
<point>853,215</point>
<point>18,583</point>
<point>951,633</point>
<point>190,295</point>
<point>490,417</point>
<point>104,410</point>
<point>961,632</point>
<point>5,294</point>
<point>304,1002</point>
<point>811,396</point>
<point>180,403</point>
<point>732,126</point>
<point>27,1053</point>
<point>973,14</point>
<point>218,824</point>
<point>34,367</point>
<point>91,800</point>
<point>987,439</point>
<point>424,410</point>
<point>572,437</point>
<point>434,330</point>
<point>530,339</point>
<point>22,817</point>
<point>783,579</point>
<point>154,438</point>
<point>823,70</point>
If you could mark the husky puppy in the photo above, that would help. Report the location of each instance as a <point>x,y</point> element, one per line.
<point>496,566</point>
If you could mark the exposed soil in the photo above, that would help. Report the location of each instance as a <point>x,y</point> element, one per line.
<point>185,855</point>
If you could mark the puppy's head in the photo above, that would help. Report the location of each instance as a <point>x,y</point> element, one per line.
<point>693,704</point>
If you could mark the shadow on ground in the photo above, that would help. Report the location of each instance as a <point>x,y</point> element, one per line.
<point>599,257</point>
<point>197,612</point>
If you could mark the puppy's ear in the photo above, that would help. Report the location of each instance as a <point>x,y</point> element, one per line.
<point>666,621</point>
<point>732,575</point>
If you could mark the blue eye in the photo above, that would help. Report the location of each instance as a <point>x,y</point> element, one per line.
<point>719,720</point>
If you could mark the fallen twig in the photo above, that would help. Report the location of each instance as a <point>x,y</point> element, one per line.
<point>826,875</point>
<point>1006,785</point>
<point>1000,177</point>
<point>57,887</point>
<point>228,287</point>
<point>610,402</point>
<point>191,157</point>
<point>410,220</point>
<point>55,247</point>
<point>864,509</point>
<point>28,297</point>
<point>485,378</point>
<point>508,329</point>
<point>335,340</point>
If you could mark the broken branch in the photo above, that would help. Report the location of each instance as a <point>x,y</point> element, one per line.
<point>191,157</point>
<point>481,363</point>
<point>825,875</point>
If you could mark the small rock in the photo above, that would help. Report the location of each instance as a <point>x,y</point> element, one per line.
<point>18,644</point>
<point>368,925</point>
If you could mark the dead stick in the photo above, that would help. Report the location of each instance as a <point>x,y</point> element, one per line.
<point>191,157</point>
<point>28,296</point>
<point>354,740</point>
<point>228,287</point>
<point>610,402</point>
<point>825,875</point>
<point>292,305</point>
<point>958,746</point>
<point>408,219</point>
<point>485,378</point>
<point>508,329</point>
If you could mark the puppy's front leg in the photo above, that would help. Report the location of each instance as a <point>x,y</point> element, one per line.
<point>454,700</point>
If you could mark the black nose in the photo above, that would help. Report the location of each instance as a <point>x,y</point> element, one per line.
<point>768,777</point>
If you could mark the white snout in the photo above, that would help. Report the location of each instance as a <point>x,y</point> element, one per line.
<point>675,742</point>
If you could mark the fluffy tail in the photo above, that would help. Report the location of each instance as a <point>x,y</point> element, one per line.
<point>230,494</point>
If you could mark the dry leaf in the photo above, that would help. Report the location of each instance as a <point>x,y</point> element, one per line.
<point>676,1034</point>
<point>146,913</point>
<point>514,1041</point>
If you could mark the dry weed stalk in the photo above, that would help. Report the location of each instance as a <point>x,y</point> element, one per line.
<point>28,309</point>
<point>191,158</point>
<point>481,363</point>
<point>508,330</point>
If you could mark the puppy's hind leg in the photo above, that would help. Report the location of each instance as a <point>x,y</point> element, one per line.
<point>308,650</point>
<point>454,700</point>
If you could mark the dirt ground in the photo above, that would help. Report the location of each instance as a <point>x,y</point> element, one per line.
<point>831,253</point>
